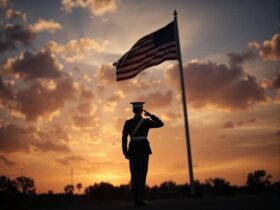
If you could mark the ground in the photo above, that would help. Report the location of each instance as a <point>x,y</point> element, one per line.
<point>246,202</point>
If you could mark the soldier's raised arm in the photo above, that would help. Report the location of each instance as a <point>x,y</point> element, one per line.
<point>124,140</point>
<point>154,121</point>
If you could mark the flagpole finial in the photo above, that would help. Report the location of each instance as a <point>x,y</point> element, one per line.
<point>175,13</point>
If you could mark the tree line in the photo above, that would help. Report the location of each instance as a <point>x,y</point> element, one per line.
<point>22,190</point>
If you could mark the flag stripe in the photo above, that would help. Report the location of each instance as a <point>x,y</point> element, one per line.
<point>156,62</point>
<point>145,65</point>
<point>141,52</point>
<point>135,64</point>
<point>143,44</point>
<point>171,55</point>
<point>146,54</point>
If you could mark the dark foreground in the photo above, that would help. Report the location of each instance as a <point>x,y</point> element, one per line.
<point>244,202</point>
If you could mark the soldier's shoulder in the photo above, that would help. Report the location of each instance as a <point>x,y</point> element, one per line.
<point>129,121</point>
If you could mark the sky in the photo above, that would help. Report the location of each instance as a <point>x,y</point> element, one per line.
<point>62,108</point>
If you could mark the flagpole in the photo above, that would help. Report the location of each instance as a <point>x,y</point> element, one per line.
<point>187,131</point>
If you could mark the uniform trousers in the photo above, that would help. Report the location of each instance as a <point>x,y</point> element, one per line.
<point>138,165</point>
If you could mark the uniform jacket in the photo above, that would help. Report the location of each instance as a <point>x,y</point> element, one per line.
<point>138,147</point>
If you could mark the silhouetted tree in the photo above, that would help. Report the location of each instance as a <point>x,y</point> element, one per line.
<point>217,182</point>
<point>218,185</point>
<point>102,190</point>
<point>7,186</point>
<point>25,185</point>
<point>79,186</point>
<point>258,180</point>
<point>69,189</point>
<point>168,188</point>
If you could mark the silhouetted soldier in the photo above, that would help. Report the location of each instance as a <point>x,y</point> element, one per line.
<point>139,149</point>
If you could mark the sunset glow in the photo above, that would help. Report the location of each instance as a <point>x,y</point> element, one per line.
<point>62,108</point>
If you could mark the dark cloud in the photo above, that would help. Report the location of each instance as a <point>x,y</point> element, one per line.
<point>70,159</point>
<point>6,161</point>
<point>228,124</point>
<point>6,92</point>
<point>34,65</point>
<point>86,108</point>
<point>156,99</point>
<point>16,139</point>
<point>55,133</point>
<point>236,59</point>
<point>48,146</point>
<point>276,81</point>
<point>42,100</point>
<point>270,50</point>
<point>13,36</point>
<point>216,85</point>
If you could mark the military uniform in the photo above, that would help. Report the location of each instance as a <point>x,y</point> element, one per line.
<point>138,151</point>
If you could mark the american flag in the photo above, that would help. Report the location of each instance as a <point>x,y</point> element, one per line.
<point>149,51</point>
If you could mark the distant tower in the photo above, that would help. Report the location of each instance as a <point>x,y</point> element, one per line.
<point>72,183</point>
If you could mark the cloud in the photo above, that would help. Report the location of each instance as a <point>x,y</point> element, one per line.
<point>84,92</point>
<point>6,161</point>
<point>85,122</point>
<point>277,97</point>
<point>14,36</point>
<point>96,7</point>
<point>211,84</point>
<point>171,116</point>
<point>117,95</point>
<point>75,49</point>
<point>43,100</point>
<point>48,146</point>
<point>228,124</point>
<point>45,25</point>
<point>86,108</point>
<point>270,50</point>
<point>253,45</point>
<point>56,133</point>
<point>276,81</point>
<point>15,15</point>
<point>236,59</point>
<point>16,139</point>
<point>273,84</point>
<point>106,77</point>
<point>35,65</point>
<point>156,99</point>
<point>110,104</point>
<point>68,160</point>
<point>3,3</point>
<point>6,92</point>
